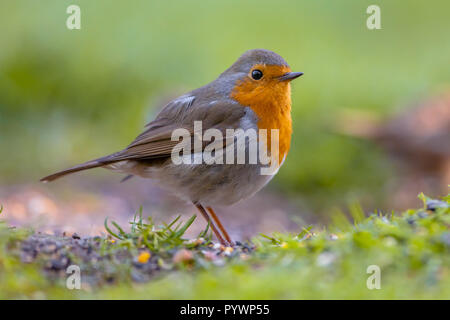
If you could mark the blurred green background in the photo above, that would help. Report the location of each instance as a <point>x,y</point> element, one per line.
<point>67,96</point>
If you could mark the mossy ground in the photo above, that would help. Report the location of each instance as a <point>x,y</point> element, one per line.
<point>156,262</point>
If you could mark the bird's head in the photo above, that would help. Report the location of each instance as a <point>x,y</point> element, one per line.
<point>260,76</point>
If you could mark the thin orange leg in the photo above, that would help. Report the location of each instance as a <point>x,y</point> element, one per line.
<point>219,224</point>
<point>211,223</point>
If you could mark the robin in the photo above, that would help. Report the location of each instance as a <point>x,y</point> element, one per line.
<point>253,94</point>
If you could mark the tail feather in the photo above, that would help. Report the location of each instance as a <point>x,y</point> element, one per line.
<point>84,166</point>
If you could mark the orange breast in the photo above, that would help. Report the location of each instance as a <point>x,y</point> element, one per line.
<point>270,99</point>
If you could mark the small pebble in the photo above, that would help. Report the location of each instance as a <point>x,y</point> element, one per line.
<point>183,256</point>
<point>76,236</point>
<point>333,236</point>
<point>228,251</point>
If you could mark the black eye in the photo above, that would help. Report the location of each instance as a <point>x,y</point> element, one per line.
<point>257,74</point>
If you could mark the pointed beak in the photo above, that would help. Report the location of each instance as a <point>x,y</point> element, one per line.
<point>290,76</point>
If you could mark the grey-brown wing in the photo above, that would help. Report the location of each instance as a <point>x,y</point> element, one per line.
<point>156,141</point>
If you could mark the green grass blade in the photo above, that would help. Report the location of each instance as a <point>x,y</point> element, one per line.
<point>110,231</point>
<point>183,229</point>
